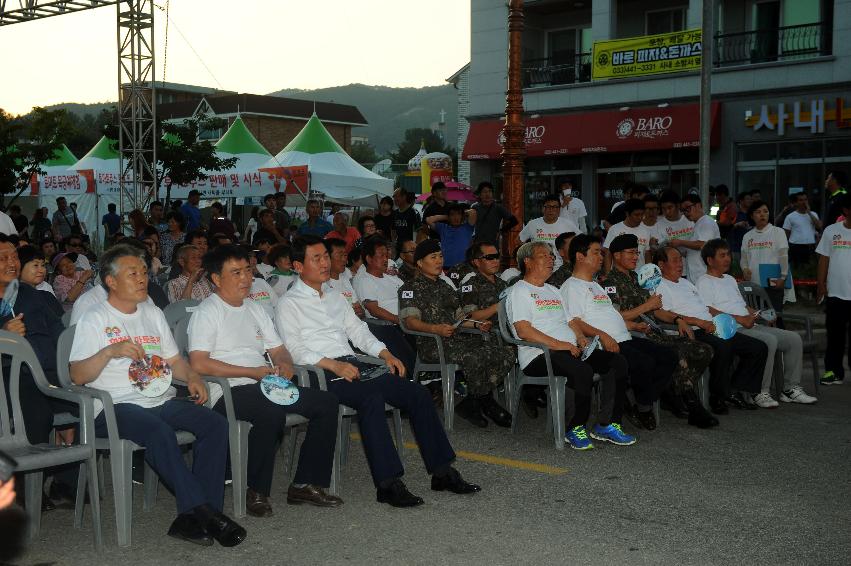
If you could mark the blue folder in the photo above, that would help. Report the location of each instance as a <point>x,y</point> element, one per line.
<point>772,271</point>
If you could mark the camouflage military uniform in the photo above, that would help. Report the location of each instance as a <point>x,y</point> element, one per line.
<point>695,356</point>
<point>436,302</point>
<point>406,273</point>
<point>459,272</point>
<point>561,275</point>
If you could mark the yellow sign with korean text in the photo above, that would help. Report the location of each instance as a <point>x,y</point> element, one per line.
<point>647,55</point>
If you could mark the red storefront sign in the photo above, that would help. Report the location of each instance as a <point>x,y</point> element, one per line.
<point>607,131</point>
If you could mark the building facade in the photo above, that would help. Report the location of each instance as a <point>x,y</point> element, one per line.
<point>781,98</point>
<point>461,81</point>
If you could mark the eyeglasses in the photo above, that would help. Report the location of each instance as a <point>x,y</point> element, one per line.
<point>488,257</point>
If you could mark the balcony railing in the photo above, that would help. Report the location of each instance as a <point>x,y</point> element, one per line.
<point>767,45</point>
<point>558,70</point>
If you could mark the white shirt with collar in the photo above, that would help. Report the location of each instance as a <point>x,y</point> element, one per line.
<point>315,327</point>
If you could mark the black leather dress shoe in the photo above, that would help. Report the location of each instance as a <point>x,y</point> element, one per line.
<point>648,419</point>
<point>735,401</point>
<point>747,399</point>
<point>186,527</point>
<point>453,482</point>
<point>312,494</point>
<point>397,495</point>
<point>225,530</point>
<point>633,416</point>
<point>494,411</point>
<point>718,406</point>
<point>470,410</point>
<point>257,505</point>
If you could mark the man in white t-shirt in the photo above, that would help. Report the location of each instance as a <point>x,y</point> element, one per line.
<point>834,284</point>
<point>537,314</point>
<point>651,365</point>
<point>651,221</point>
<point>672,225</point>
<point>634,214</point>
<point>549,226</point>
<point>802,226</point>
<point>705,229</point>
<point>123,346</point>
<point>572,208</point>
<point>230,337</point>
<point>683,306</point>
<point>721,294</point>
<point>379,295</point>
<point>338,282</point>
<point>261,292</point>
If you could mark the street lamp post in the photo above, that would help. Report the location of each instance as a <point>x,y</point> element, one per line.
<point>514,148</point>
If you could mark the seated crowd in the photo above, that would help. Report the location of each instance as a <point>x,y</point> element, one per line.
<point>343,311</point>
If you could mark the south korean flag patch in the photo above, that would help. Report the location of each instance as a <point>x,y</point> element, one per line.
<point>407,294</point>
<point>467,289</point>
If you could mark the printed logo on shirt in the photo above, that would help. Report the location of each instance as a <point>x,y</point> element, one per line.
<point>546,304</point>
<point>347,295</point>
<point>542,236</point>
<point>259,296</point>
<point>754,245</point>
<point>407,294</point>
<point>839,244</point>
<point>258,333</point>
<point>112,331</point>
<point>686,233</point>
<point>600,299</point>
<point>467,289</point>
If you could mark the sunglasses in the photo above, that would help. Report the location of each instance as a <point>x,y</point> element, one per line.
<point>489,257</point>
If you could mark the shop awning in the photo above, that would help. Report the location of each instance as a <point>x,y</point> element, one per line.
<point>608,131</point>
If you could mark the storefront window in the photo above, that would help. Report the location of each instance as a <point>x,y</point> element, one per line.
<point>761,180</point>
<point>800,149</point>
<point>808,177</point>
<point>684,180</point>
<point>757,152</point>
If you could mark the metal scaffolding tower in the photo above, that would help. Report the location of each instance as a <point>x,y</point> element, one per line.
<point>136,85</point>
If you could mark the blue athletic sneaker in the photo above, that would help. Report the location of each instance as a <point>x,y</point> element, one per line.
<point>578,439</point>
<point>612,433</point>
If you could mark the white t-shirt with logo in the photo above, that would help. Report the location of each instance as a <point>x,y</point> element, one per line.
<point>836,244</point>
<point>590,302</point>
<point>680,229</point>
<point>801,227</point>
<point>344,287</point>
<point>656,231</point>
<point>537,230</point>
<point>544,309</point>
<point>263,294</point>
<point>764,247</point>
<point>102,325</point>
<point>574,211</point>
<point>234,335</point>
<point>281,283</point>
<point>705,229</point>
<point>639,232</point>
<point>383,290</point>
<point>722,293</point>
<point>682,298</point>
<point>90,298</point>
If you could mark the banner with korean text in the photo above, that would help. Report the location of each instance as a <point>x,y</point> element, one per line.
<point>647,55</point>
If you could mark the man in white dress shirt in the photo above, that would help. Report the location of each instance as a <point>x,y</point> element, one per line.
<point>316,327</point>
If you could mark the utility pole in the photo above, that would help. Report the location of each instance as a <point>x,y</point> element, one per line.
<point>706,62</point>
<point>514,148</point>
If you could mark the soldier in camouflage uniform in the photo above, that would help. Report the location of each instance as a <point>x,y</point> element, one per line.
<point>428,303</point>
<point>565,270</point>
<point>460,271</point>
<point>407,269</point>
<point>621,284</point>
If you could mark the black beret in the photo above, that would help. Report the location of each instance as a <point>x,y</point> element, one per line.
<point>426,247</point>
<point>624,242</point>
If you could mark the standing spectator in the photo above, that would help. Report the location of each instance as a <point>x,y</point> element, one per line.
<point>573,208</point>
<point>42,227</point>
<point>727,211</point>
<point>64,220</point>
<point>548,227</point>
<point>455,234</point>
<point>283,217</point>
<point>138,223</point>
<point>314,225</point>
<point>191,211</point>
<point>20,221</point>
<point>343,231</point>
<point>173,236</point>
<point>834,282</point>
<point>384,218</point>
<point>268,229</point>
<point>406,220</point>
<point>765,249</point>
<point>335,208</point>
<point>156,216</point>
<point>632,224</point>
<point>192,282</point>
<point>220,223</point>
<point>280,218</point>
<point>742,225</point>
<point>491,218</point>
<point>651,220</point>
<point>802,225</point>
<point>836,184</point>
<point>438,209</point>
<point>705,229</point>
<point>630,191</point>
<point>673,225</point>
<point>69,283</point>
<point>111,222</point>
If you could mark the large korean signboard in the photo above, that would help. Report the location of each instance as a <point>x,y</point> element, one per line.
<point>647,55</point>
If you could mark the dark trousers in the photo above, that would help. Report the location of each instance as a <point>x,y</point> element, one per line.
<point>747,377</point>
<point>154,429</point>
<point>801,254</point>
<point>651,368</point>
<point>580,377</point>
<point>317,452</point>
<point>368,398</point>
<point>397,344</point>
<point>837,321</point>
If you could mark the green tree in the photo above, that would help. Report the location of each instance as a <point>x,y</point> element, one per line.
<point>27,142</point>
<point>183,157</point>
<point>364,153</point>
<point>415,138</point>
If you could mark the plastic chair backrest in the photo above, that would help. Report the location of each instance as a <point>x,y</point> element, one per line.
<point>63,355</point>
<point>175,312</point>
<point>504,331</point>
<point>754,295</point>
<point>12,429</point>
<point>181,336</point>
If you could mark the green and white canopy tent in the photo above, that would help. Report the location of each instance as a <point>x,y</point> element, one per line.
<point>100,168</point>
<point>332,172</point>
<point>244,179</point>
